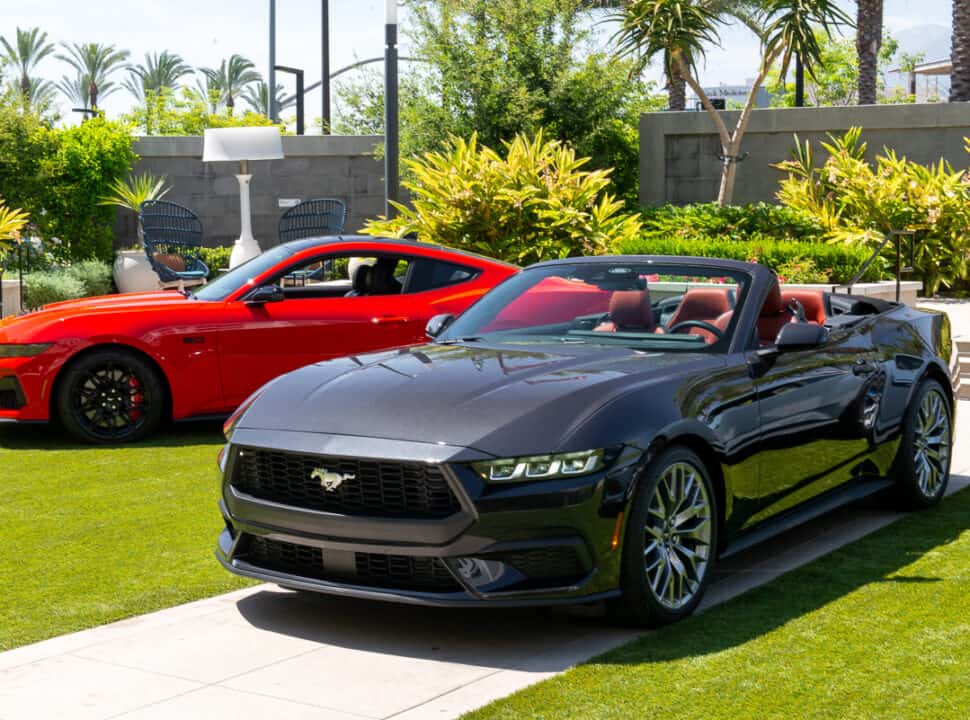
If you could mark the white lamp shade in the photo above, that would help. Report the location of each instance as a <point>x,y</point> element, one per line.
<point>243,143</point>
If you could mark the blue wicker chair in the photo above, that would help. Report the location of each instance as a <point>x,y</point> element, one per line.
<point>173,239</point>
<point>313,218</point>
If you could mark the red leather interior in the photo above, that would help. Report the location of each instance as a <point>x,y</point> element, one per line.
<point>812,300</point>
<point>705,304</point>
<point>553,300</point>
<point>629,310</point>
<point>773,317</point>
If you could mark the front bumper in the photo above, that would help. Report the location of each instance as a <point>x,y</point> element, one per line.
<point>539,543</point>
<point>24,389</point>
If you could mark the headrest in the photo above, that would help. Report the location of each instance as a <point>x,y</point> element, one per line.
<point>362,279</point>
<point>773,303</point>
<point>702,304</point>
<point>630,309</point>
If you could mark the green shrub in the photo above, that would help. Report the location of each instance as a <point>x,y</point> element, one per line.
<point>215,258</point>
<point>42,288</point>
<point>95,276</point>
<point>837,263</point>
<point>735,222</point>
<point>533,202</point>
<point>859,202</point>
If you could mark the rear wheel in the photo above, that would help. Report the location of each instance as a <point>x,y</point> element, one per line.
<point>111,396</point>
<point>922,467</point>
<point>670,541</point>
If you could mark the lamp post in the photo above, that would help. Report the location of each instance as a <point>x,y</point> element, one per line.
<point>298,73</point>
<point>243,144</point>
<point>391,137</point>
<point>273,110</point>
<point>325,64</point>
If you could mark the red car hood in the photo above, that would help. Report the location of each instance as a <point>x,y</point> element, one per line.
<point>20,328</point>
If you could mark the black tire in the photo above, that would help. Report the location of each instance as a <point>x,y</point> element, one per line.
<point>640,603</point>
<point>111,396</point>
<point>921,470</point>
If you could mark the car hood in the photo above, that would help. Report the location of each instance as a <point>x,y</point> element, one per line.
<point>499,400</point>
<point>20,328</point>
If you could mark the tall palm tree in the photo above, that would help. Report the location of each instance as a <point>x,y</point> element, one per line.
<point>76,89</point>
<point>868,42</point>
<point>681,30</point>
<point>30,48</point>
<point>159,71</point>
<point>749,13</point>
<point>95,63</point>
<point>231,78</point>
<point>40,93</point>
<point>960,55</point>
<point>257,97</point>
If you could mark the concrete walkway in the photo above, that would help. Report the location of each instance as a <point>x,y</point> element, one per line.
<point>265,652</point>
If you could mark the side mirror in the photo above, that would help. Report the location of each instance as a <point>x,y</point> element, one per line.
<point>800,336</point>
<point>266,294</point>
<point>437,325</point>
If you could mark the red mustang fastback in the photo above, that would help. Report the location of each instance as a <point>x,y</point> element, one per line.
<point>114,368</point>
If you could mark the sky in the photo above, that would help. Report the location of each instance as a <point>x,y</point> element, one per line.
<point>204,32</point>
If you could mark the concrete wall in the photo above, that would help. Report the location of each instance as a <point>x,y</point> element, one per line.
<point>678,150</point>
<point>335,166</point>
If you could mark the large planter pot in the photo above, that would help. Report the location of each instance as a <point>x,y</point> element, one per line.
<point>10,292</point>
<point>883,290</point>
<point>133,272</point>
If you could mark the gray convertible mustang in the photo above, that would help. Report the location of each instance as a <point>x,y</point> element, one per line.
<point>592,429</point>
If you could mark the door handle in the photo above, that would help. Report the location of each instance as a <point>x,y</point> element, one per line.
<point>389,319</point>
<point>863,368</point>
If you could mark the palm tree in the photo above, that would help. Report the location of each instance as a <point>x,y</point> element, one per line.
<point>76,89</point>
<point>30,48</point>
<point>159,71</point>
<point>95,63</point>
<point>257,97</point>
<point>748,12</point>
<point>868,41</point>
<point>679,30</point>
<point>209,90</point>
<point>960,55</point>
<point>231,78</point>
<point>40,93</point>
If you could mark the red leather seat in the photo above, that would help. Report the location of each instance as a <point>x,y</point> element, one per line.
<point>630,310</point>
<point>812,300</point>
<point>705,304</point>
<point>773,317</point>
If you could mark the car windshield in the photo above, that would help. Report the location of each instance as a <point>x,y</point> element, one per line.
<point>225,285</point>
<point>637,304</point>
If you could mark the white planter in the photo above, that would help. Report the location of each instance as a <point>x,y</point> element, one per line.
<point>10,292</point>
<point>133,272</point>
<point>883,290</point>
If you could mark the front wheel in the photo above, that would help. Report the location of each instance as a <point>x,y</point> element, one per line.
<point>111,396</point>
<point>922,467</point>
<point>670,541</point>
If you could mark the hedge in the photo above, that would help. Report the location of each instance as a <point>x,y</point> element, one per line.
<point>838,262</point>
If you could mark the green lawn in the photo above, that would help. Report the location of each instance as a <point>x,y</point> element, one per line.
<point>92,535</point>
<point>879,629</point>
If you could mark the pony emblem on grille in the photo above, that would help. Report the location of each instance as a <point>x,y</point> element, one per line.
<point>330,481</point>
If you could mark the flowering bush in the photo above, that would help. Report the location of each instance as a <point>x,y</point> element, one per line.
<point>532,203</point>
<point>859,203</point>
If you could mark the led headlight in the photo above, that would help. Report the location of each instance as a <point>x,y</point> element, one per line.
<point>540,467</point>
<point>22,351</point>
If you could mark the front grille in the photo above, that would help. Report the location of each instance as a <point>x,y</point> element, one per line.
<point>372,488</point>
<point>398,572</point>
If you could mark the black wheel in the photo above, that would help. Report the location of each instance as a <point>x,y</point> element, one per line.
<point>111,396</point>
<point>670,542</point>
<point>922,467</point>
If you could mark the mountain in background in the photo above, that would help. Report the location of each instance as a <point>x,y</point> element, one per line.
<point>931,40</point>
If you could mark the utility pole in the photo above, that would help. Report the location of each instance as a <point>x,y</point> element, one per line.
<point>273,112</point>
<point>325,64</point>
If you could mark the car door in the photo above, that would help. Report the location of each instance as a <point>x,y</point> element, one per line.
<point>814,416</point>
<point>267,340</point>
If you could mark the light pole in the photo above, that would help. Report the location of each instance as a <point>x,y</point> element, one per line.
<point>325,64</point>
<point>272,61</point>
<point>391,137</point>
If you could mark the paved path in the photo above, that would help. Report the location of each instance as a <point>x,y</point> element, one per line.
<point>264,652</point>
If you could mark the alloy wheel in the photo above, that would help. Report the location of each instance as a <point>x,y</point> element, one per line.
<point>110,401</point>
<point>677,545</point>
<point>931,440</point>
